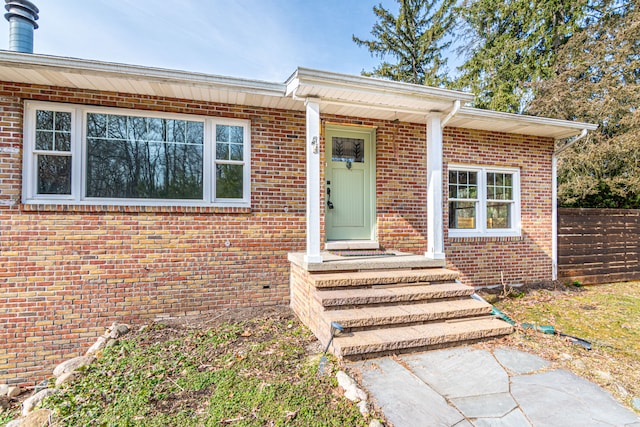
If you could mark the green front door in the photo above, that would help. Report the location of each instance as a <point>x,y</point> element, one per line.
<point>350,185</point>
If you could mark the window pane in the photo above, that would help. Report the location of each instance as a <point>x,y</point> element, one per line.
<point>177,130</point>
<point>44,140</point>
<point>229,181</point>
<point>462,215</point>
<point>508,193</point>
<point>236,134</point>
<point>63,121</point>
<point>473,178</point>
<point>156,130</point>
<point>195,132</point>
<point>44,120</point>
<point>63,141</point>
<point>116,127</point>
<point>498,215</point>
<point>222,151</point>
<point>97,125</point>
<point>54,175</point>
<point>236,152</point>
<point>453,177</point>
<point>139,161</point>
<point>347,149</point>
<point>222,133</point>
<point>453,191</point>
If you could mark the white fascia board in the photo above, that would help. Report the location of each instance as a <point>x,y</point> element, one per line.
<point>566,127</point>
<point>307,76</point>
<point>137,72</point>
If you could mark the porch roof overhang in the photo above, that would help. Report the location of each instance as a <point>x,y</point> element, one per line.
<point>339,94</point>
<point>368,97</point>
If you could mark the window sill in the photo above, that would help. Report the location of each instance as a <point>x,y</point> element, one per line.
<point>510,236</point>
<point>58,207</point>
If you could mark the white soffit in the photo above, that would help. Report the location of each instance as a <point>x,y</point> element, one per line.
<point>368,97</point>
<point>339,94</point>
<point>106,76</point>
<point>475,118</point>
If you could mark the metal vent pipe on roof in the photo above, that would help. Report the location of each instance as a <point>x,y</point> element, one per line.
<point>22,16</point>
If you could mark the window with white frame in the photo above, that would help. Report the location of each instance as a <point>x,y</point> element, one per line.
<point>484,201</point>
<point>91,155</point>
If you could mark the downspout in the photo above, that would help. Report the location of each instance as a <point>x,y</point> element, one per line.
<point>453,112</point>
<point>554,201</point>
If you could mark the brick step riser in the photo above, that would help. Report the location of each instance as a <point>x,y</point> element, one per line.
<point>387,325</point>
<point>413,345</point>
<point>418,299</point>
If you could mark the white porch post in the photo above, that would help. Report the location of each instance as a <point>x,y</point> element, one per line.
<point>313,181</point>
<point>435,220</point>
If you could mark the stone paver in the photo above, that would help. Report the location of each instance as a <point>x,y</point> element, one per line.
<point>460,372</point>
<point>514,418</point>
<point>519,362</point>
<point>406,400</point>
<point>463,387</point>
<point>561,398</point>
<point>486,405</point>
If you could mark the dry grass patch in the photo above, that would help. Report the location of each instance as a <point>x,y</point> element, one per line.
<point>606,315</point>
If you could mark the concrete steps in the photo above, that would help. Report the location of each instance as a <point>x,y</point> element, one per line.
<point>397,294</point>
<point>419,337</point>
<point>390,310</point>
<point>408,314</point>
<point>385,277</point>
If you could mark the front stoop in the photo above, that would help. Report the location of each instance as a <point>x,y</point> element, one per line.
<point>391,310</point>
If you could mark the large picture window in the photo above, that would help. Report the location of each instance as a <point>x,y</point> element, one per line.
<point>483,201</point>
<point>87,155</point>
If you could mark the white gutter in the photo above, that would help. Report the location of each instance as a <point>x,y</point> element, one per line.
<point>453,112</point>
<point>554,201</point>
<point>30,61</point>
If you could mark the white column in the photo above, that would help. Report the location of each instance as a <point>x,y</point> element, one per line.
<point>313,181</point>
<point>435,220</point>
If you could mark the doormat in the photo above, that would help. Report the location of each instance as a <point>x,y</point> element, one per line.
<point>362,252</point>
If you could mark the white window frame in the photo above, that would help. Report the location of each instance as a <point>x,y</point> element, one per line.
<point>79,165</point>
<point>481,229</point>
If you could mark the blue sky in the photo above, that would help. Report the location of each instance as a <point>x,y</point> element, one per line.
<point>256,39</point>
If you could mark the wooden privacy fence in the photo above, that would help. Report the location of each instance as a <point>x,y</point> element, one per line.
<point>598,245</point>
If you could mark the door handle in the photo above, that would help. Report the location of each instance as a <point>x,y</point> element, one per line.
<point>329,204</point>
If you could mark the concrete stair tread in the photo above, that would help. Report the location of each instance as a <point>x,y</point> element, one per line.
<point>362,278</point>
<point>408,313</point>
<point>380,295</point>
<point>425,335</point>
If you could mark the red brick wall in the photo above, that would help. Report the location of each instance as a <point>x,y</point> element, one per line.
<point>514,260</point>
<point>401,182</point>
<point>66,272</point>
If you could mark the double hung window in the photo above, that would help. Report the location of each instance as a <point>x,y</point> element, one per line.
<point>484,201</point>
<point>90,155</point>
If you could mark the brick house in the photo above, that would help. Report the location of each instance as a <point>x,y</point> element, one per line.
<point>131,193</point>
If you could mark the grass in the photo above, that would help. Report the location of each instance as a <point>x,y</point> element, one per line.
<point>257,372</point>
<point>606,315</point>
<point>262,370</point>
